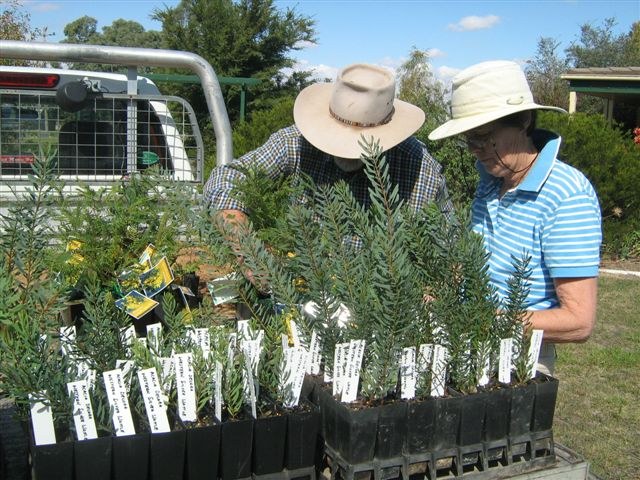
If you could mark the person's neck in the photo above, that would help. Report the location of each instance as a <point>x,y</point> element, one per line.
<point>522,166</point>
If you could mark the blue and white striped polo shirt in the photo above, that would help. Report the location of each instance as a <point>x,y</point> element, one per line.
<point>553,216</point>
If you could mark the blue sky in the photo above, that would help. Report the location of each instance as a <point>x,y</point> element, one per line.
<point>456,33</point>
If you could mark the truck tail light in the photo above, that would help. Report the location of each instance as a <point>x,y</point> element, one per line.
<point>28,80</point>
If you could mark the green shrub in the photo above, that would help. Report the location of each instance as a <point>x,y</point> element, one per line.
<point>605,154</point>
<point>251,134</point>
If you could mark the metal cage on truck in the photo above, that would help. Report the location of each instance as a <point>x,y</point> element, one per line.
<point>101,127</point>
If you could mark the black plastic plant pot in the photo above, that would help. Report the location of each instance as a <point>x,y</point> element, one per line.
<point>392,430</point>
<point>308,392</point>
<point>421,417</point>
<point>521,411</point>
<point>545,403</point>
<point>92,459</point>
<point>130,457</point>
<point>235,449</point>
<point>269,438</point>
<point>472,419</point>
<point>203,452</point>
<point>328,413</point>
<point>302,442</point>
<point>166,453</point>
<point>496,418</point>
<point>52,462</point>
<point>447,422</point>
<point>356,432</point>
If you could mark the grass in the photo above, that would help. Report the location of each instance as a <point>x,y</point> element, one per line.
<point>598,412</point>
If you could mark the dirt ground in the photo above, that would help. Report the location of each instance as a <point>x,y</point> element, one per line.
<point>632,265</point>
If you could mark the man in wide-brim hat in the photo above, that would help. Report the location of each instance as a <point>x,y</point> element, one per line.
<point>330,121</point>
<point>528,203</point>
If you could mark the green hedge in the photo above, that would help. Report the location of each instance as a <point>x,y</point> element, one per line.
<point>605,154</point>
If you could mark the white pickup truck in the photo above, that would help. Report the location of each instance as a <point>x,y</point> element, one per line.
<point>101,127</point>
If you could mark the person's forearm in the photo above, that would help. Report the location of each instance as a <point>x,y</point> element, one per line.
<point>574,319</point>
<point>561,326</point>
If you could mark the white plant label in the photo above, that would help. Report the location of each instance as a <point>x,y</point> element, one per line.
<point>142,341</point>
<point>250,388</point>
<point>244,329</point>
<point>295,366</point>
<point>339,366</point>
<point>127,367</point>
<point>201,338</point>
<point>67,339</point>
<point>408,373</point>
<point>439,370</point>
<point>534,350</point>
<point>83,418</point>
<point>117,396</point>
<point>168,373</point>
<point>253,349</point>
<point>233,340</point>
<point>42,420</point>
<point>506,361</point>
<point>284,341</point>
<point>313,366</point>
<point>486,371</point>
<point>154,402</point>
<point>217,391</point>
<point>127,337</point>
<point>425,356</point>
<point>83,371</point>
<point>352,375</point>
<point>186,386</point>
<point>154,337</point>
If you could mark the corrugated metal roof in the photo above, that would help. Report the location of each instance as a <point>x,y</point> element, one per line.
<point>606,73</point>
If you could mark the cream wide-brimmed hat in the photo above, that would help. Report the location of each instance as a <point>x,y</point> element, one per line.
<point>333,116</point>
<point>486,92</point>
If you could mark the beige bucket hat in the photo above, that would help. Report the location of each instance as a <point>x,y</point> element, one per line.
<point>486,92</point>
<point>333,116</point>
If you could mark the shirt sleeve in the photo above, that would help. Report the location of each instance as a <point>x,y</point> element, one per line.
<point>273,159</point>
<point>572,239</point>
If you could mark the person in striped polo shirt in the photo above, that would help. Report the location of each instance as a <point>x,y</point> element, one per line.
<point>528,202</point>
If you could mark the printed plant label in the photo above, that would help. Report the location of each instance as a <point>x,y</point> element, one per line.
<point>439,370</point>
<point>153,400</point>
<point>186,386</point>
<point>352,374</point>
<point>83,418</point>
<point>117,396</point>
<point>408,373</point>
<point>534,350</point>
<point>506,361</point>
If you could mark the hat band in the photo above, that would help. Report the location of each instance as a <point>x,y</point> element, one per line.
<point>352,123</point>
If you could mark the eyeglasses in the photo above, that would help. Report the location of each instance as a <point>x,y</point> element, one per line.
<point>477,141</point>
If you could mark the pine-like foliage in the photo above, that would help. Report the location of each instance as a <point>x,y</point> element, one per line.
<point>514,318</point>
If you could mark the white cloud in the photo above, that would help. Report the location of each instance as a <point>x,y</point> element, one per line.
<point>318,72</point>
<point>305,44</point>
<point>43,7</point>
<point>435,53</point>
<point>474,22</point>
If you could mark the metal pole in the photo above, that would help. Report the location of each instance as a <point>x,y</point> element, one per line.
<point>63,52</point>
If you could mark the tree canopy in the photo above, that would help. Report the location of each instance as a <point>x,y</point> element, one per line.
<point>15,24</point>
<point>239,38</point>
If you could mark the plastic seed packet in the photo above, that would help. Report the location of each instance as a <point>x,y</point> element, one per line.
<point>157,278</point>
<point>136,304</point>
<point>145,258</point>
<point>223,289</point>
<point>129,279</point>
